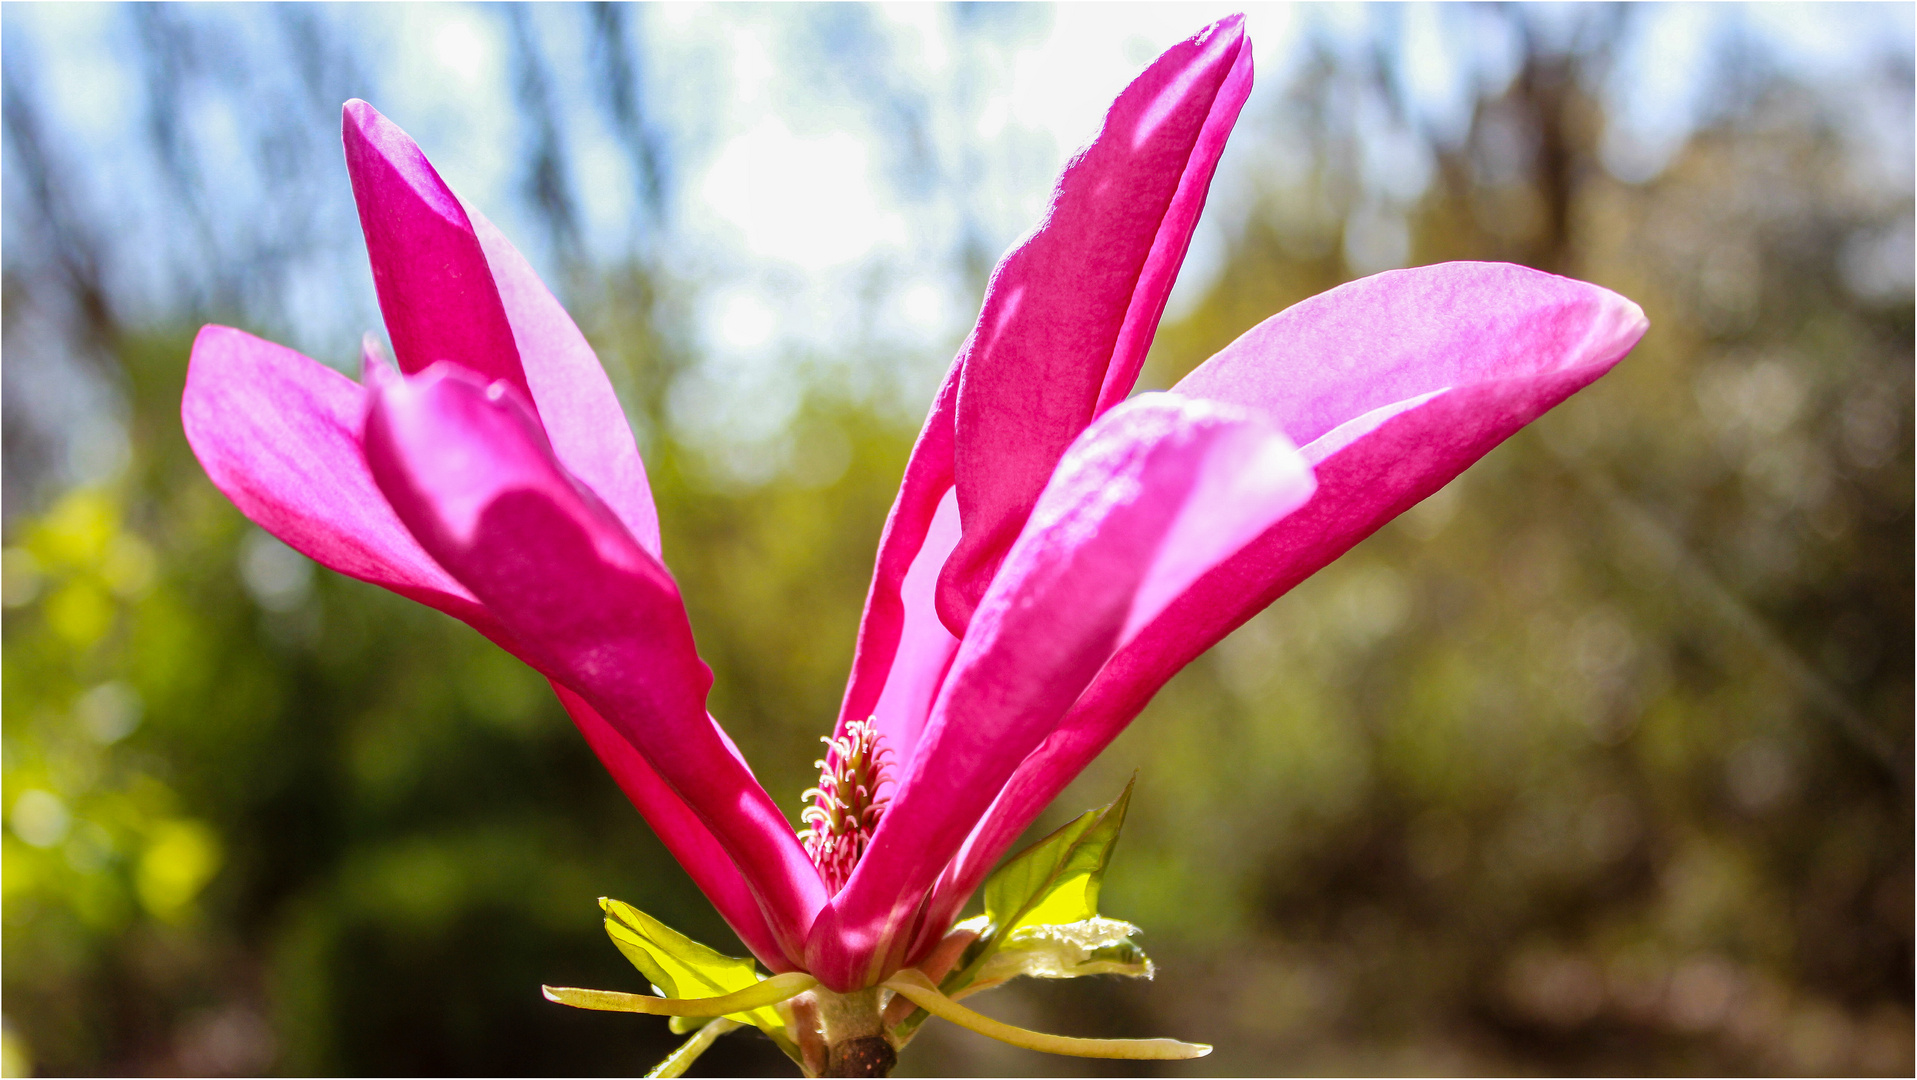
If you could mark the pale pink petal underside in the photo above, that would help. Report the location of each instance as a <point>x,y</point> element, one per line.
<point>278,433</point>
<point>1394,385</point>
<point>927,480</point>
<point>926,647</point>
<point>570,390</point>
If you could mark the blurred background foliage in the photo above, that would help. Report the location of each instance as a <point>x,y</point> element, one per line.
<point>1597,761</point>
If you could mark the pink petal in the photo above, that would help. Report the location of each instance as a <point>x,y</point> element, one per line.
<point>570,390</point>
<point>435,288</point>
<point>1395,384</point>
<point>928,477</point>
<point>278,433</point>
<point>471,474</point>
<point>680,829</point>
<point>1069,314</point>
<point>1398,336</point>
<point>1054,336</point>
<point>926,647</point>
<point>1154,493</point>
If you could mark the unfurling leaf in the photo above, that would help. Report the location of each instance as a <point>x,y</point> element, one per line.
<point>1056,880</point>
<point>1054,883</point>
<point>1066,951</point>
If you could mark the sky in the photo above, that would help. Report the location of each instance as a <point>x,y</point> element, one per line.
<point>826,169</point>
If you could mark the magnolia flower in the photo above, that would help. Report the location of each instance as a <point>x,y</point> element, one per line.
<point>1057,550</point>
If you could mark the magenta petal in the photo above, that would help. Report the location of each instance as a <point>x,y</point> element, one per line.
<point>928,477</point>
<point>1151,495</point>
<point>570,390</point>
<point>680,829</point>
<point>436,291</point>
<point>925,648</point>
<point>1070,313</point>
<point>1395,384</point>
<point>278,433</point>
<point>471,474</point>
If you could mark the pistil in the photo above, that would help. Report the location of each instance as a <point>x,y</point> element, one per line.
<point>846,806</point>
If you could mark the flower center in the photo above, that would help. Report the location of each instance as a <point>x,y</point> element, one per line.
<point>846,805</point>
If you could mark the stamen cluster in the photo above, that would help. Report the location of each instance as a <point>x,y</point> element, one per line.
<point>846,805</point>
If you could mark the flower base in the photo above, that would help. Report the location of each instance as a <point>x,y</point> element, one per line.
<point>868,1055</point>
<point>855,1039</point>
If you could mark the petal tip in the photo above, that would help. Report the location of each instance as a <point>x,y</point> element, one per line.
<point>1227,33</point>
<point>210,333</point>
<point>375,144</point>
<point>357,118</point>
<point>1622,324</point>
<point>1634,316</point>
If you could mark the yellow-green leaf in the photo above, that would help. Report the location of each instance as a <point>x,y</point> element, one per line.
<point>681,967</point>
<point>1056,880</point>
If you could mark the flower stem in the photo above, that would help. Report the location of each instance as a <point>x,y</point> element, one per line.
<point>855,1042</point>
